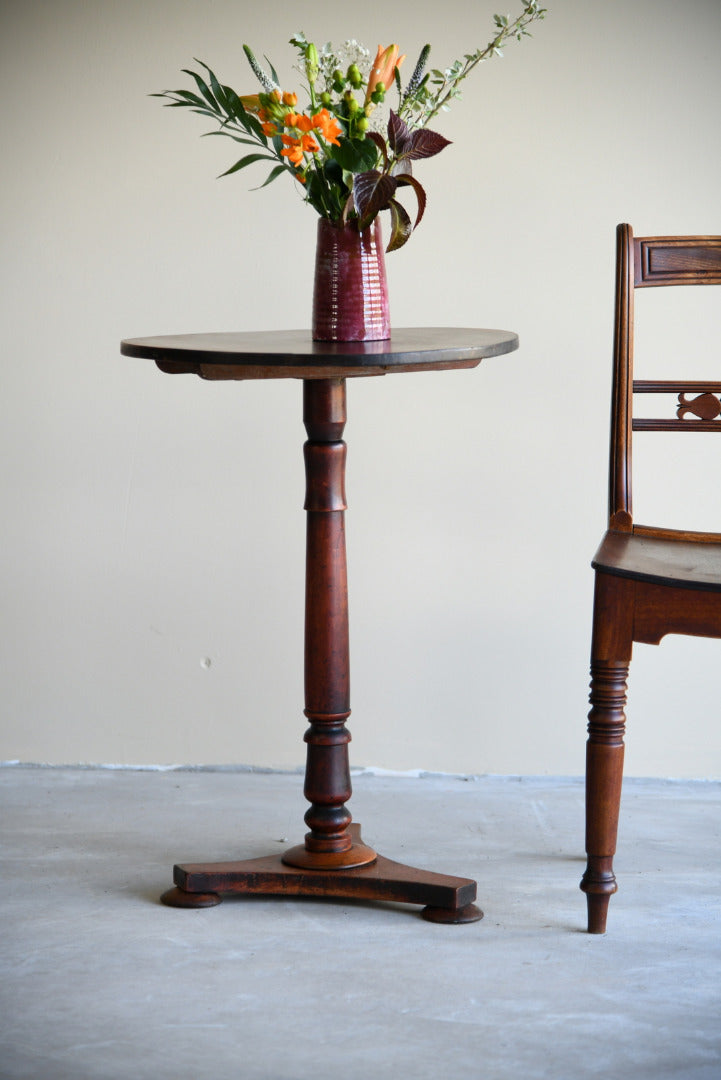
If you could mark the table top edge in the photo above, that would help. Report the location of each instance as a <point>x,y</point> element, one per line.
<point>295,348</point>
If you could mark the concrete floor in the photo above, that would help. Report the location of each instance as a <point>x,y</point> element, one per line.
<point>101,981</point>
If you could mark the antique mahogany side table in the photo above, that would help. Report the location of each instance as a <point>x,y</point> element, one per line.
<point>333,860</point>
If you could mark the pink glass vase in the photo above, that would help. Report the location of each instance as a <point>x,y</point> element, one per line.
<point>350,292</point>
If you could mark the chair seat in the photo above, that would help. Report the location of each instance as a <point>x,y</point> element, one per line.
<point>676,562</point>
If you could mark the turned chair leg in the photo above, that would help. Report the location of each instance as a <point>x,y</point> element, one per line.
<point>604,775</point>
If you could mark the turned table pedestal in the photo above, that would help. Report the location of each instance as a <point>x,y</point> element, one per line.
<point>333,860</point>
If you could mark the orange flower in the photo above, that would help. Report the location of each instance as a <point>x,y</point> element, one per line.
<point>269,129</point>
<point>294,149</point>
<point>328,126</point>
<point>298,120</point>
<point>384,65</point>
<point>290,99</point>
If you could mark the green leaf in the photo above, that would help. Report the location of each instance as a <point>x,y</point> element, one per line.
<point>232,101</point>
<point>273,72</point>
<point>187,105</point>
<point>401,227</point>
<point>355,155</point>
<point>230,135</point>
<point>274,174</point>
<point>205,91</point>
<point>189,98</point>
<point>217,88</point>
<point>250,123</point>
<point>247,160</point>
<point>333,172</point>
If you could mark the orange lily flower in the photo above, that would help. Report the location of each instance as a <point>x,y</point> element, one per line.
<point>385,63</point>
<point>251,103</point>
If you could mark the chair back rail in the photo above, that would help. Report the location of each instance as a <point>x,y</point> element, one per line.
<point>643,262</point>
<point>677,260</point>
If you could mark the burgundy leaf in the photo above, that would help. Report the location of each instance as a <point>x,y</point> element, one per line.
<point>399,135</point>
<point>425,143</point>
<point>420,195</point>
<point>401,227</point>
<point>402,166</point>
<point>380,143</point>
<point>372,191</point>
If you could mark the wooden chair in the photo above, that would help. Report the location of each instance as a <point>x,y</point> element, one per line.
<point>648,581</point>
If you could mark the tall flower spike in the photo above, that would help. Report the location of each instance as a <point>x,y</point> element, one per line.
<point>415,79</point>
<point>262,76</point>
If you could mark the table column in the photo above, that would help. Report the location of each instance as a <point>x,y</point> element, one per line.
<point>329,843</point>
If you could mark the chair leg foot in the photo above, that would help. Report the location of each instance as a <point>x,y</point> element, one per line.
<point>599,885</point>
<point>604,776</point>
<point>597,913</point>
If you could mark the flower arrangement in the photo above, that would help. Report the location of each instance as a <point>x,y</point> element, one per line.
<point>334,148</point>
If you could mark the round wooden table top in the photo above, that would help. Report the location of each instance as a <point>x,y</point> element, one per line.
<point>283,354</point>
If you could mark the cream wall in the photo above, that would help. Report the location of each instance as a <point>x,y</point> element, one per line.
<point>151,522</point>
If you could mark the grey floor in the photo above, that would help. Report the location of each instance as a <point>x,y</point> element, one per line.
<point>101,981</point>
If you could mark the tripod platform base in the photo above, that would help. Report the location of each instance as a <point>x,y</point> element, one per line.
<point>446,899</point>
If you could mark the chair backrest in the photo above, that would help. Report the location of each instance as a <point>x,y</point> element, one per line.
<point>643,262</point>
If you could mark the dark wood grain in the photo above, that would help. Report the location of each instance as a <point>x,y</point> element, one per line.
<point>333,860</point>
<point>675,562</point>
<point>677,260</point>
<point>450,899</point>
<point>649,581</point>
<point>286,354</point>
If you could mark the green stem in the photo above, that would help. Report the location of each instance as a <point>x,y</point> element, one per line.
<point>529,14</point>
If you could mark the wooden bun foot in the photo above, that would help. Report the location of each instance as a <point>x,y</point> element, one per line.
<point>181,898</point>
<point>469,913</point>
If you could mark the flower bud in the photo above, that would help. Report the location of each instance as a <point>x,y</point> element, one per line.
<point>354,76</point>
<point>311,63</point>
